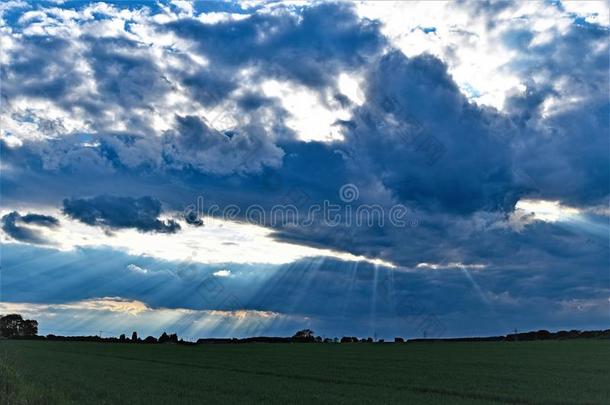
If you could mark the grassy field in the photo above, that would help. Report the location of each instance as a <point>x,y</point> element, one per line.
<point>482,372</point>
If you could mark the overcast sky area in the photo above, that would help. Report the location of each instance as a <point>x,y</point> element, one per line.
<point>221,169</point>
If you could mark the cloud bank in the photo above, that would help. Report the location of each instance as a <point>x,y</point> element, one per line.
<point>488,123</point>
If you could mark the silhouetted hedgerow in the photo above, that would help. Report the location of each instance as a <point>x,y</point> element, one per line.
<point>15,327</point>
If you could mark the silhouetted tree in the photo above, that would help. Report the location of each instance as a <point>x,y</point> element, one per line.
<point>134,336</point>
<point>369,340</point>
<point>305,335</point>
<point>150,339</point>
<point>122,337</point>
<point>399,340</point>
<point>163,338</point>
<point>9,324</point>
<point>14,325</point>
<point>29,328</point>
<point>173,338</point>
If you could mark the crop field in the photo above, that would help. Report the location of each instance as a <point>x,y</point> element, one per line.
<point>43,372</point>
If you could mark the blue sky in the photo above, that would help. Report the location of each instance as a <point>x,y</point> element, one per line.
<point>367,168</point>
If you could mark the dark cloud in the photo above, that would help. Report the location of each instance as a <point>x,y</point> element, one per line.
<point>120,212</point>
<point>192,217</point>
<point>16,226</point>
<point>131,85</point>
<point>125,74</point>
<point>310,46</point>
<point>41,67</point>
<point>209,87</point>
<point>252,101</point>
<point>563,114</point>
<point>427,142</point>
<point>565,148</point>
<point>196,145</point>
<point>39,219</point>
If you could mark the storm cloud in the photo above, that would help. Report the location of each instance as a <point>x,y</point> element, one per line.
<point>17,226</point>
<point>110,110</point>
<point>120,212</point>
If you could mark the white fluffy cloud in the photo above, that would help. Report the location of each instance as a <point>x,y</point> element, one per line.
<point>476,42</point>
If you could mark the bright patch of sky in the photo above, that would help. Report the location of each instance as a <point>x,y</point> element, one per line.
<point>113,316</point>
<point>219,241</point>
<point>550,211</point>
<point>477,55</point>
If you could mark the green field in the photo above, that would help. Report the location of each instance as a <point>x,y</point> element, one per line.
<point>42,372</point>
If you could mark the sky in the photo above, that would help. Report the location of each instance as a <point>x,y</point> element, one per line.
<point>223,169</point>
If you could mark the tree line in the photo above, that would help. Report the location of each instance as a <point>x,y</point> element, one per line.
<point>15,327</point>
